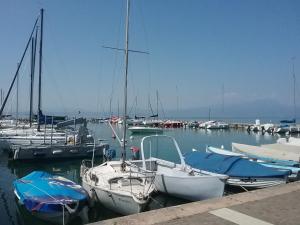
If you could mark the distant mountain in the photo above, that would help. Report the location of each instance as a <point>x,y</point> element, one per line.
<point>263,108</point>
<point>267,109</point>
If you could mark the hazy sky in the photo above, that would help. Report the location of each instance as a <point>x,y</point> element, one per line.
<point>195,47</point>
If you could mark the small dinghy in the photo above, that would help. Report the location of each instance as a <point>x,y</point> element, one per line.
<point>51,198</point>
<point>241,172</point>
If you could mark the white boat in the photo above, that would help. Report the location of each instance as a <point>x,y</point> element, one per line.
<point>273,152</point>
<point>178,179</point>
<point>141,129</point>
<point>122,188</point>
<point>135,122</point>
<point>289,141</point>
<point>152,122</point>
<point>282,129</point>
<point>221,151</point>
<point>216,125</point>
<point>268,127</point>
<point>119,185</point>
<point>207,123</point>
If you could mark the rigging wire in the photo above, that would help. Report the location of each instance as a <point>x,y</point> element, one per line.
<point>115,60</point>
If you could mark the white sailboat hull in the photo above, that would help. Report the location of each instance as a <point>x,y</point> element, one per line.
<point>192,188</point>
<point>184,182</point>
<point>125,192</point>
<point>116,202</point>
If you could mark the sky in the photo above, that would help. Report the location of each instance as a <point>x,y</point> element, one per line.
<point>195,48</point>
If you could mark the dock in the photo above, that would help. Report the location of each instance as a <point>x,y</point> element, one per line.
<point>276,205</point>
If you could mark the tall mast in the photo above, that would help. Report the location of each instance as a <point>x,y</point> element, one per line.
<point>125,87</point>
<point>33,55</point>
<point>1,96</point>
<point>40,70</point>
<point>118,109</point>
<point>17,106</point>
<point>135,110</point>
<point>157,103</point>
<point>294,91</point>
<point>177,100</point>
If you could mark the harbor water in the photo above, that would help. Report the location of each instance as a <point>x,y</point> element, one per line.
<point>12,214</point>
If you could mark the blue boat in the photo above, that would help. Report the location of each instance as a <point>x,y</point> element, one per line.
<point>51,198</point>
<point>280,165</point>
<point>241,172</point>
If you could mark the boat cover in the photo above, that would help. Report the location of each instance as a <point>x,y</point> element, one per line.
<point>43,192</point>
<point>233,166</point>
<point>288,121</point>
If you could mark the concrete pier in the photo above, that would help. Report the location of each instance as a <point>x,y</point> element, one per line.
<point>275,205</point>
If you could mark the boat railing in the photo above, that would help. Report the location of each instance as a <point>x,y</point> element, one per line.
<point>85,166</point>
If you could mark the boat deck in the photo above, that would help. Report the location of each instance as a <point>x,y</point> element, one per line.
<point>276,205</point>
<point>275,151</point>
<point>284,147</point>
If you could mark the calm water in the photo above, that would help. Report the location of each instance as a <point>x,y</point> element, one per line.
<point>12,214</point>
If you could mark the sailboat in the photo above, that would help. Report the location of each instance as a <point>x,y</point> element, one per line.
<point>290,125</point>
<point>119,185</point>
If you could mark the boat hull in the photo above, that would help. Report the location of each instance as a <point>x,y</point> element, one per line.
<point>191,188</point>
<point>122,204</point>
<point>55,152</point>
<point>255,184</point>
<point>147,130</point>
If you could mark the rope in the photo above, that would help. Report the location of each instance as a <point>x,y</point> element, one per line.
<point>243,188</point>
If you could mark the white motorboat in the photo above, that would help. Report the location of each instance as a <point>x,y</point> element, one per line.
<point>216,125</point>
<point>178,179</point>
<point>141,129</point>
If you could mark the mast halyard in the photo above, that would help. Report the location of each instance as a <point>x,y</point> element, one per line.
<point>125,87</point>
<point>40,70</point>
<point>15,76</point>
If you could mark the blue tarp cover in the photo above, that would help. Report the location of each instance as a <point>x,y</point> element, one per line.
<point>43,192</point>
<point>233,166</point>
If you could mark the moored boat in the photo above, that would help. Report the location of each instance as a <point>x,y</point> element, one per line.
<point>51,198</point>
<point>120,187</point>
<point>178,179</point>
<point>295,170</point>
<point>141,129</point>
<point>241,172</point>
